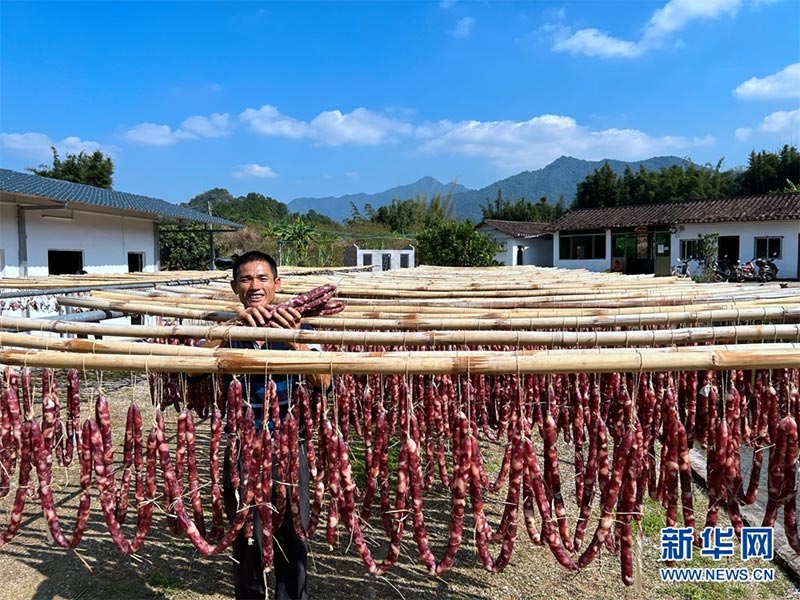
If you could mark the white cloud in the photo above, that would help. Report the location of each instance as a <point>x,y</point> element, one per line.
<point>267,120</point>
<point>253,170</point>
<point>37,145</point>
<point>463,28</point>
<point>783,84</point>
<point>594,42</point>
<point>359,126</point>
<point>676,14</point>
<point>151,134</point>
<point>666,21</point>
<point>352,175</point>
<point>540,140</point>
<point>215,125</point>
<point>445,4</point>
<point>779,123</point>
<point>194,127</point>
<point>330,128</point>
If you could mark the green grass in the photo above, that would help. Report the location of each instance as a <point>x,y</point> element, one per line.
<point>653,518</point>
<point>356,445</point>
<point>160,581</point>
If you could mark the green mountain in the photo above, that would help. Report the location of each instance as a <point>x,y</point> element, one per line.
<point>338,208</point>
<point>558,179</point>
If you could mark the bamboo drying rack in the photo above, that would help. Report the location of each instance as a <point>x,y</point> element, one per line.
<point>602,321</point>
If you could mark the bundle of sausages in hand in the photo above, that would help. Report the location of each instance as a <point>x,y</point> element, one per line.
<point>314,303</point>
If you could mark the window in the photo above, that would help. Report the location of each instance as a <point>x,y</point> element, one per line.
<point>404,260</point>
<point>64,262</point>
<point>769,247</point>
<point>690,249</point>
<point>366,259</point>
<point>583,246</point>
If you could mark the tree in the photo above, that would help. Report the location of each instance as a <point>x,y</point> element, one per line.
<point>404,216</point>
<point>769,172</point>
<point>600,189</point>
<point>708,252</point>
<point>208,200</point>
<point>456,244</point>
<point>521,210</point>
<point>95,169</point>
<point>183,247</point>
<point>253,208</point>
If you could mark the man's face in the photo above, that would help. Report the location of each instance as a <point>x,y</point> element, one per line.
<point>255,284</point>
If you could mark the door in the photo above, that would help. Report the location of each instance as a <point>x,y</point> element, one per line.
<point>661,266</point>
<point>728,245</point>
<point>135,262</point>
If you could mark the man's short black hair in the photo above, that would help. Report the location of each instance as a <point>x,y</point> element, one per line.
<point>255,256</point>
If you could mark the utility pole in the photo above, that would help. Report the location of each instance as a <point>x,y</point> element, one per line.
<point>212,255</point>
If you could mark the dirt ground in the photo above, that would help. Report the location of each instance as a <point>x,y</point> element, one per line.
<point>169,568</point>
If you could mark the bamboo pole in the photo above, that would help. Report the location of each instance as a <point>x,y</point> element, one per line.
<point>606,339</point>
<point>143,306</point>
<point>58,281</point>
<point>411,322</point>
<point>650,337</point>
<point>576,302</point>
<point>462,363</point>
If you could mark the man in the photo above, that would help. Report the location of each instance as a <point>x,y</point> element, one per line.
<point>255,282</point>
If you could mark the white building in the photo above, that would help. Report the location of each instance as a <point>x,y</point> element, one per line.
<point>651,238</point>
<point>522,243</point>
<point>379,260</point>
<point>54,227</point>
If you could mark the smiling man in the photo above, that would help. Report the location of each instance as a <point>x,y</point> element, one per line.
<point>255,282</point>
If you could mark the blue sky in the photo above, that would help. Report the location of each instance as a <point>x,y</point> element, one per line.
<point>329,98</point>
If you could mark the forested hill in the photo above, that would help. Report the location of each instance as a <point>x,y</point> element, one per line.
<point>339,208</point>
<point>558,179</point>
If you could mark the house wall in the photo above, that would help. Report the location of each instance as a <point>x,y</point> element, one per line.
<point>8,240</point>
<point>378,259</point>
<point>540,253</point>
<point>537,250</point>
<point>508,250</point>
<point>748,232</point>
<point>595,265</point>
<point>104,240</point>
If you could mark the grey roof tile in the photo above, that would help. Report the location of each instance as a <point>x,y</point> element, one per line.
<point>45,187</point>
<point>766,207</point>
<point>516,228</point>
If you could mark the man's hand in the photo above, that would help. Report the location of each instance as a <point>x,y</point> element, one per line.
<point>270,316</point>
<point>254,316</point>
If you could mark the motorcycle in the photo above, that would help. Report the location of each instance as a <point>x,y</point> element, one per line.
<point>749,271</point>
<point>767,269</point>
<point>723,270</point>
<point>682,268</point>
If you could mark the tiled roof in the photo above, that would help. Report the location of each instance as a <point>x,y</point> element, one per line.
<point>44,187</point>
<point>767,207</point>
<point>520,229</point>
